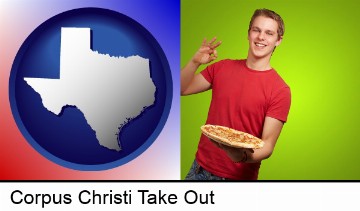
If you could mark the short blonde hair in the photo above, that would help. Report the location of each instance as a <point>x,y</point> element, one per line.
<point>269,14</point>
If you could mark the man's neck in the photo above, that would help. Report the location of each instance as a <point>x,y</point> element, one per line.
<point>259,64</point>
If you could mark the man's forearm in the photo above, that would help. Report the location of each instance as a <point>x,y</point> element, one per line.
<point>259,155</point>
<point>187,74</point>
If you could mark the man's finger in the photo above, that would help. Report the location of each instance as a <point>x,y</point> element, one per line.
<point>215,53</point>
<point>216,45</point>
<point>212,41</point>
<point>206,50</point>
<point>204,42</point>
<point>212,58</point>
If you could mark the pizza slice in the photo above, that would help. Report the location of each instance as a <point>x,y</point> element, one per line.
<point>231,137</point>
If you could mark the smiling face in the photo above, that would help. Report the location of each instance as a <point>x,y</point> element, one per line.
<point>263,38</point>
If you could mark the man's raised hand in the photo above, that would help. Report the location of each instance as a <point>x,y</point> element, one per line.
<point>207,52</point>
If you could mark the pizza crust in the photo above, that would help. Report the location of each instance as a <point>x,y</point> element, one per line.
<point>231,137</point>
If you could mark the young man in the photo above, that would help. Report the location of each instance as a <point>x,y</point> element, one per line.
<point>247,95</point>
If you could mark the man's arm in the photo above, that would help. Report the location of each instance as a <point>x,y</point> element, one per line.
<point>192,83</point>
<point>271,131</point>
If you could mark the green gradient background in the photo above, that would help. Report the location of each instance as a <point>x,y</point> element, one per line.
<point>318,58</point>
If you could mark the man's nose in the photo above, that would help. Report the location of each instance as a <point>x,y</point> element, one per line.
<point>261,36</point>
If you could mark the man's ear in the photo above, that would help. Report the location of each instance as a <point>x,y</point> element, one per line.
<point>279,41</point>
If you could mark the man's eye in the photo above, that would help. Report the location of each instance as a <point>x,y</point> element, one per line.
<point>270,33</point>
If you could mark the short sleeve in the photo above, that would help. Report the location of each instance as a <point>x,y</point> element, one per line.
<point>209,72</point>
<point>280,104</point>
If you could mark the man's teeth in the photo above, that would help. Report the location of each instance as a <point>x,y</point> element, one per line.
<point>260,45</point>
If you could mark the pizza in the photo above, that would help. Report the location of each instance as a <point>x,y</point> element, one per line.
<point>231,137</point>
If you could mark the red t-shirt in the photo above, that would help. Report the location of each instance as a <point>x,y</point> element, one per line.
<point>241,99</point>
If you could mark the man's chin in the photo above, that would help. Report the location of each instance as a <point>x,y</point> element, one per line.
<point>261,54</point>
